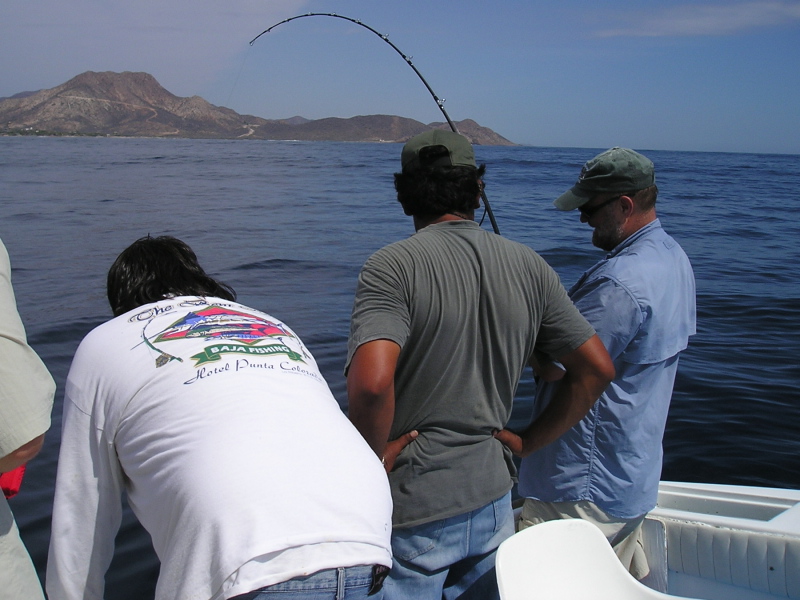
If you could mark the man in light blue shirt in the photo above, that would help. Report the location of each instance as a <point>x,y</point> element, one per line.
<point>641,301</point>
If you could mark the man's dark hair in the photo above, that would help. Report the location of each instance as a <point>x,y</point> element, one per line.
<point>152,269</point>
<point>435,191</point>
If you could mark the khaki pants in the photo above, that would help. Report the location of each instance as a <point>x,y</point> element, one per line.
<point>625,536</point>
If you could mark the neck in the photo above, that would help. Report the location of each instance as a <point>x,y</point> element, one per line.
<point>637,221</point>
<point>420,222</point>
<point>634,224</point>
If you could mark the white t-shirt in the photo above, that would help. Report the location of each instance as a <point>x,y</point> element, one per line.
<point>235,456</point>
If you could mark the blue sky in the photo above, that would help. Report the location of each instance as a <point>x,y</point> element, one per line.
<point>648,74</point>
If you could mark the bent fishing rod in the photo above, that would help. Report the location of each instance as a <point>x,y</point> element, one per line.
<point>385,38</point>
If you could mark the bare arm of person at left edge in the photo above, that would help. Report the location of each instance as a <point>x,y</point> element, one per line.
<point>21,455</point>
<point>589,370</point>
<point>370,396</point>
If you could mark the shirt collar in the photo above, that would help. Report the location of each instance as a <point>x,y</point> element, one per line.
<point>631,239</point>
<point>454,223</point>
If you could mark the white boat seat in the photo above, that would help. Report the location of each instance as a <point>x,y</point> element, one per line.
<point>762,561</point>
<point>568,559</point>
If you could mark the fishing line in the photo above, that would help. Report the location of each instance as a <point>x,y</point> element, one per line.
<point>238,75</point>
<point>385,38</point>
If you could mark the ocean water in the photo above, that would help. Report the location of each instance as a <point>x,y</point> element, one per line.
<point>288,225</point>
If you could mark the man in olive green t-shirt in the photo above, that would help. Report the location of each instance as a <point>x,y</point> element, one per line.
<point>443,325</point>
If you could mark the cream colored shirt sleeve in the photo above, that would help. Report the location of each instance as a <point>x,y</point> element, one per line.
<point>26,386</point>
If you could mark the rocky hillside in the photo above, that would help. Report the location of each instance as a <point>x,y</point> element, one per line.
<point>135,104</point>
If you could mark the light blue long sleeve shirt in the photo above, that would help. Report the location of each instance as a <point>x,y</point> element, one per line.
<point>641,301</point>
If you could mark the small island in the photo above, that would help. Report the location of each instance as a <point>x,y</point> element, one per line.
<point>135,105</point>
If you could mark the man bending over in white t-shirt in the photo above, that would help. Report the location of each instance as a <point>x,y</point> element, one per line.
<point>210,416</point>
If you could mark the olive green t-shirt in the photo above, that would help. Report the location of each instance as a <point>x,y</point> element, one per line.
<point>468,308</point>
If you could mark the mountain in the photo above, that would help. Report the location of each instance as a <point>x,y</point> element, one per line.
<point>135,104</point>
<point>19,95</point>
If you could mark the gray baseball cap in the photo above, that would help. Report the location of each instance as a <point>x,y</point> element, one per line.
<point>618,170</point>
<point>437,147</point>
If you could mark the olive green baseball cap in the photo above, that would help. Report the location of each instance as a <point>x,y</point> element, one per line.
<point>437,148</point>
<point>615,171</point>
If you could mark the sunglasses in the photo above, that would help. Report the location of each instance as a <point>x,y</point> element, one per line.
<point>591,210</point>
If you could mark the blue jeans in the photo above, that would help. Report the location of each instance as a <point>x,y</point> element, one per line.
<point>451,558</point>
<point>350,583</point>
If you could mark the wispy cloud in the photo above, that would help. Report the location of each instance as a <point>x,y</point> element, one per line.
<point>698,19</point>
